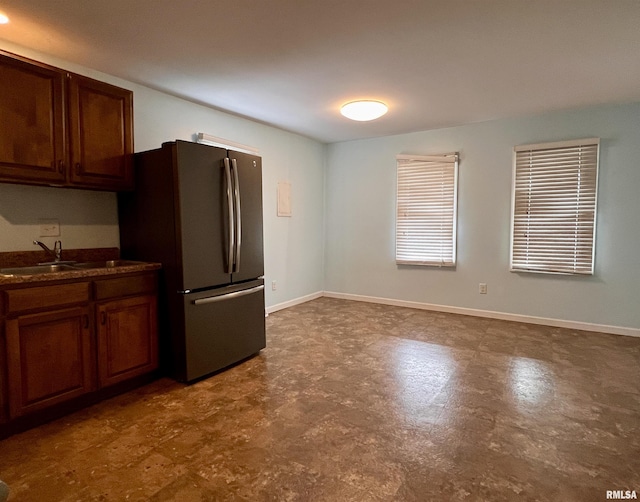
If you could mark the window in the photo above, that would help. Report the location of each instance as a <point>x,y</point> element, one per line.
<point>426,210</point>
<point>554,207</point>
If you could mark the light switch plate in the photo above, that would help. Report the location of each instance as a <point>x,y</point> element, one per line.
<point>49,228</point>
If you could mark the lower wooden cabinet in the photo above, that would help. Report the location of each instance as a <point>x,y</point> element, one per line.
<point>127,339</point>
<point>48,358</point>
<point>64,341</point>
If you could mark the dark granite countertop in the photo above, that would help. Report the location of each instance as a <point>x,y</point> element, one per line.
<point>14,259</point>
<point>88,273</point>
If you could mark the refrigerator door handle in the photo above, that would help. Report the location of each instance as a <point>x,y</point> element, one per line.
<point>228,296</point>
<point>230,248</point>
<point>236,175</point>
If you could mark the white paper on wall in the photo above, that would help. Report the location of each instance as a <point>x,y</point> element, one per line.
<point>284,198</point>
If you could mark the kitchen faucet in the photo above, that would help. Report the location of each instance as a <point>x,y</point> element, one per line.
<point>57,249</point>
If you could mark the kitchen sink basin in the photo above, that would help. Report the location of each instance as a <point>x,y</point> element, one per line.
<point>56,268</point>
<point>106,264</point>
<point>36,269</point>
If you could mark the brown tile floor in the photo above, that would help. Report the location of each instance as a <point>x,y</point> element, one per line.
<point>357,402</point>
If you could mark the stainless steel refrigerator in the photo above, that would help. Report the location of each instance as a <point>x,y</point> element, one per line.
<point>197,209</point>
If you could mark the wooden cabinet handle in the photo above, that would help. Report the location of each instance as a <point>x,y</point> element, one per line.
<point>60,166</point>
<point>103,318</point>
<point>77,167</point>
<point>86,321</point>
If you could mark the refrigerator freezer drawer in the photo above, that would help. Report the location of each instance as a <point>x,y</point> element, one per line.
<point>224,328</point>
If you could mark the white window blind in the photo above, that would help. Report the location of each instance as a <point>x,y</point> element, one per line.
<point>554,207</point>
<point>426,210</point>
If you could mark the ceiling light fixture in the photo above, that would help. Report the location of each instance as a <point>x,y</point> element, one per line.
<point>363,110</point>
<point>4,19</point>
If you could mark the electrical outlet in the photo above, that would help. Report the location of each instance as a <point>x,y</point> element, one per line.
<point>482,288</point>
<point>274,285</point>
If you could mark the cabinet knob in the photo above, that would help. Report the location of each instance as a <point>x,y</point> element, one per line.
<point>78,167</point>
<point>60,166</point>
<point>103,318</point>
<point>86,321</point>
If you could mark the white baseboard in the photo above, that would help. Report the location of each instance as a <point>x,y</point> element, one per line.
<point>559,323</point>
<point>295,301</point>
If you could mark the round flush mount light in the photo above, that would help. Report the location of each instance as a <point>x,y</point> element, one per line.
<point>364,110</point>
<point>4,19</point>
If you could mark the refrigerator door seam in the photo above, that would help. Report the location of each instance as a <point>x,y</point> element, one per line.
<point>228,296</point>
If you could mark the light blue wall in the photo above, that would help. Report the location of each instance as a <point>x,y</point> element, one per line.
<point>341,235</point>
<point>360,224</point>
<point>293,246</point>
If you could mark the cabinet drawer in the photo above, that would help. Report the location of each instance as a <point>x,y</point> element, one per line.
<point>21,300</point>
<point>125,286</point>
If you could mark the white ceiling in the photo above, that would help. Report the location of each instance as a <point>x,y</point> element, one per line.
<point>292,63</point>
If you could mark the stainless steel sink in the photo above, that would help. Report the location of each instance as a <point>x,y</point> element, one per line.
<point>106,264</point>
<point>36,269</point>
<point>56,268</point>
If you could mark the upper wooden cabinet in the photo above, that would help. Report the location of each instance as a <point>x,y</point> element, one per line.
<point>32,122</point>
<point>62,129</point>
<point>100,134</point>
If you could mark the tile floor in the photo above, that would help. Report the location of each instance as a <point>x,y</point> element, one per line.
<point>361,402</point>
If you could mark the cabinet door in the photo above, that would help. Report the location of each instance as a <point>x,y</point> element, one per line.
<point>32,123</point>
<point>48,359</point>
<point>100,134</point>
<point>127,339</point>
